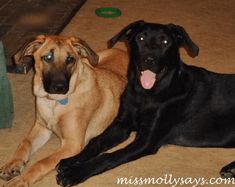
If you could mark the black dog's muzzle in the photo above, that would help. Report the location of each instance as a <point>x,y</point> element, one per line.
<point>149,60</point>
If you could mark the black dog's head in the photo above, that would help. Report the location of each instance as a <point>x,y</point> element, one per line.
<point>154,49</point>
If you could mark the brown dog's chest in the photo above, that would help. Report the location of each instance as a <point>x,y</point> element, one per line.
<point>49,112</point>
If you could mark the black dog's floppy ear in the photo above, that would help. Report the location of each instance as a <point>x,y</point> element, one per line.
<point>126,33</point>
<point>183,40</point>
<point>28,49</point>
<point>84,49</point>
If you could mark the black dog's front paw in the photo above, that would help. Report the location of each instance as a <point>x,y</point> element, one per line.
<point>64,164</point>
<point>73,175</point>
<point>228,171</point>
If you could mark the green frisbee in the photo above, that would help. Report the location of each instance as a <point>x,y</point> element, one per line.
<point>108,12</point>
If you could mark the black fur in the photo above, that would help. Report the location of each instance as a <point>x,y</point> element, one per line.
<point>186,106</point>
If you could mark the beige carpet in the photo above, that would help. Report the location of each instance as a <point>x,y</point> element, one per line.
<point>211,24</point>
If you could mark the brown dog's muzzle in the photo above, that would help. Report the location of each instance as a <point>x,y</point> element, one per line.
<point>56,82</point>
<point>59,87</point>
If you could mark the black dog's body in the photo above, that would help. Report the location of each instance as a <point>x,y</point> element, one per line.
<point>202,114</point>
<point>165,102</point>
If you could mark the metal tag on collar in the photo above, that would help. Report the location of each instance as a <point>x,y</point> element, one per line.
<point>63,101</point>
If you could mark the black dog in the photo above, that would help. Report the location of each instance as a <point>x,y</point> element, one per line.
<point>165,102</point>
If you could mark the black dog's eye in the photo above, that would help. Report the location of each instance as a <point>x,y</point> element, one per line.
<point>164,42</point>
<point>141,37</point>
<point>49,57</point>
<point>70,60</point>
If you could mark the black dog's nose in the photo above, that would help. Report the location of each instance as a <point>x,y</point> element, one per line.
<point>59,87</point>
<point>149,60</point>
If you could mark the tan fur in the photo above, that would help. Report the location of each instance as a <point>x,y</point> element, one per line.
<point>93,97</point>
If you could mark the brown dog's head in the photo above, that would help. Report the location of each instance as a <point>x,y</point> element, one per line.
<point>56,58</point>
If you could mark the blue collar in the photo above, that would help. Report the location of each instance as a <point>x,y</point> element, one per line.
<point>63,101</point>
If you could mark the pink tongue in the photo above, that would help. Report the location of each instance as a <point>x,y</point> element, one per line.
<point>147,79</point>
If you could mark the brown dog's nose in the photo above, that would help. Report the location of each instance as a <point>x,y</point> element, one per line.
<point>59,87</point>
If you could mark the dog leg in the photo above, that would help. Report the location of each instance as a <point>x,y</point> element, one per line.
<point>112,136</point>
<point>37,137</point>
<point>228,171</point>
<point>118,131</point>
<point>72,140</point>
<point>42,167</point>
<point>148,140</point>
<point>80,172</point>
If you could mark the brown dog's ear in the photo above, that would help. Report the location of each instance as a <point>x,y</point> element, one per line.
<point>183,40</point>
<point>28,49</point>
<point>126,33</point>
<point>84,49</point>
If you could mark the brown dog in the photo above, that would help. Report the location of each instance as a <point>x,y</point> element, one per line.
<point>77,97</point>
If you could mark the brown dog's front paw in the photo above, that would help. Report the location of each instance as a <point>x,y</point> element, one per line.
<point>16,182</point>
<point>11,169</point>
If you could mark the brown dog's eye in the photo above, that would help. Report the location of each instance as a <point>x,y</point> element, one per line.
<point>49,57</point>
<point>70,60</point>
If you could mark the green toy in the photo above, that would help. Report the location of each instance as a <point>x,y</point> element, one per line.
<point>6,102</point>
<point>108,12</point>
